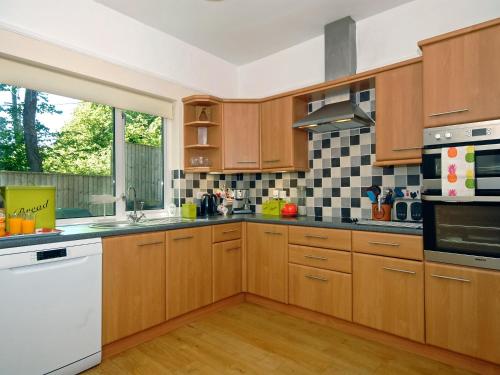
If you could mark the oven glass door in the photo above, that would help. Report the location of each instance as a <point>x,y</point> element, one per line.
<point>465,228</point>
<point>487,158</point>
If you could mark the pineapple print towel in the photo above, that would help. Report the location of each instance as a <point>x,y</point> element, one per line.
<point>457,171</point>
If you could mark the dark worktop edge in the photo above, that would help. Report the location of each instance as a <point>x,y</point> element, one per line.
<point>84,231</point>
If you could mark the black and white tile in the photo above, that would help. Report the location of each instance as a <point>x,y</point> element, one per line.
<point>335,186</point>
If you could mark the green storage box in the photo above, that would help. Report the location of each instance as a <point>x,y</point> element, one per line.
<point>188,210</point>
<point>41,200</point>
<point>272,207</point>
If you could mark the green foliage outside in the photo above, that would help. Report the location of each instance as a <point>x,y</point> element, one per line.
<point>83,146</point>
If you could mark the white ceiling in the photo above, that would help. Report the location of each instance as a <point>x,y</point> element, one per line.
<point>241,31</point>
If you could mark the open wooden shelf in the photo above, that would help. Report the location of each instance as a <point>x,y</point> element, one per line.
<point>212,121</point>
<point>201,147</point>
<point>199,170</point>
<point>204,124</point>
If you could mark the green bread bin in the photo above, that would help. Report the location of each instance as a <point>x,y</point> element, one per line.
<point>40,200</point>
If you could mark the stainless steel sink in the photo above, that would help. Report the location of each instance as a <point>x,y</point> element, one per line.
<point>114,225</point>
<point>146,222</point>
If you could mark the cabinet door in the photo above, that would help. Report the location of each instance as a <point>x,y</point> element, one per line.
<point>319,290</point>
<point>462,79</point>
<point>462,310</point>
<point>276,133</point>
<point>267,261</point>
<point>189,270</point>
<point>133,284</point>
<point>388,294</point>
<point>241,136</point>
<point>226,269</point>
<point>399,114</point>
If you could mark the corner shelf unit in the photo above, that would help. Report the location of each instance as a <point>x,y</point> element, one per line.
<point>203,111</point>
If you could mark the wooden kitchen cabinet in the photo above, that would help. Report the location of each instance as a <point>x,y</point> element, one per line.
<point>227,263</point>
<point>133,290</point>
<point>282,147</point>
<point>461,75</point>
<point>267,261</point>
<point>462,310</point>
<point>189,270</point>
<point>325,291</point>
<point>388,294</point>
<point>241,136</point>
<point>399,114</point>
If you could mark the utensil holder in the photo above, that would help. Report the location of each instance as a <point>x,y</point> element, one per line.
<point>384,214</point>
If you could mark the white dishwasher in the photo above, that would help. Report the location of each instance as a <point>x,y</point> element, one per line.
<point>50,308</point>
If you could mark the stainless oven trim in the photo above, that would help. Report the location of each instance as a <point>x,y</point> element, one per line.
<point>462,259</point>
<point>477,198</point>
<point>483,183</point>
<point>494,133</point>
<point>493,146</point>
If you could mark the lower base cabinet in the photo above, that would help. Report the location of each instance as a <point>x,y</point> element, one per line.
<point>267,261</point>
<point>133,284</point>
<point>227,264</point>
<point>388,295</point>
<point>324,291</point>
<point>463,310</point>
<point>189,270</point>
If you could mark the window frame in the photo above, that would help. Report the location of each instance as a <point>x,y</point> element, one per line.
<point>119,185</point>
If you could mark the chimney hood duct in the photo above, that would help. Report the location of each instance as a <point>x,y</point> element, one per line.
<point>339,112</point>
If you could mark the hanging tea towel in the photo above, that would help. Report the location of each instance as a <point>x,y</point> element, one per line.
<point>457,171</point>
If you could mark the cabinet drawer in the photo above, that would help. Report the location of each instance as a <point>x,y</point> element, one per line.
<point>324,291</point>
<point>328,259</point>
<point>388,244</point>
<point>320,237</point>
<point>226,232</point>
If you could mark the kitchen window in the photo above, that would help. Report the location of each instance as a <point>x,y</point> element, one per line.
<point>84,149</point>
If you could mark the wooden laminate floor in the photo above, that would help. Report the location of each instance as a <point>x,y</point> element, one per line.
<point>253,340</point>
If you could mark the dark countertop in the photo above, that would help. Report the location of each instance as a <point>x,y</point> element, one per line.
<point>83,231</point>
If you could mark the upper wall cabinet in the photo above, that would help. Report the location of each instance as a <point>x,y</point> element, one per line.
<point>462,75</point>
<point>241,136</point>
<point>399,114</point>
<point>282,148</point>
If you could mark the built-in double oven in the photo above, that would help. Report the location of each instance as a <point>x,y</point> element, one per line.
<point>463,230</point>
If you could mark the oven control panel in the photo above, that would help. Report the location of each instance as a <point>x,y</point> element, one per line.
<point>463,133</point>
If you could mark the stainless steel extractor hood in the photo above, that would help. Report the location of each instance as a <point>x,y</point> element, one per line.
<point>339,112</point>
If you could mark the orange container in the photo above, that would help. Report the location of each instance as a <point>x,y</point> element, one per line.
<point>15,224</point>
<point>28,226</point>
<point>2,224</point>
<point>384,214</point>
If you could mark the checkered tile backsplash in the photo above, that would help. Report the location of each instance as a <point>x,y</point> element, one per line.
<point>335,185</point>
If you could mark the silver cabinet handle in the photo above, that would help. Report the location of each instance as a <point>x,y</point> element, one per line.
<point>183,238</point>
<point>319,278</point>
<point>230,231</point>
<point>399,270</point>
<point>449,112</point>
<point>246,162</point>
<point>274,233</point>
<point>233,249</point>
<point>315,257</point>
<point>451,278</point>
<point>316,237</point>
<point>407,148</point>
<point>393,244</point>
<point>150,243</point>
<point>272,161</point>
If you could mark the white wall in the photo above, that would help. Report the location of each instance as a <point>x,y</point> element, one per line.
<point>382,39</point>
<point>92,28</point>
<point>298,66</point>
